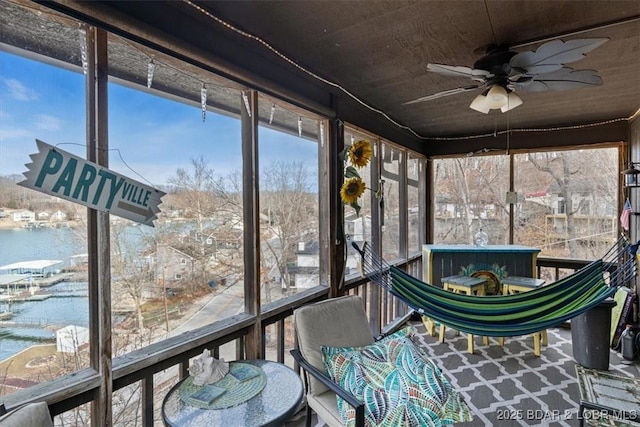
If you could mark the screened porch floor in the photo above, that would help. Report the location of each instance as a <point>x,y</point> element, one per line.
<point>510,381</point>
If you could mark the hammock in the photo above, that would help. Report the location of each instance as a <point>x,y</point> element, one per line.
<point>515,314</point>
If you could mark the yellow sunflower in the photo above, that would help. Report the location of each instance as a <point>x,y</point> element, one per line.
<point>360,153</point>
<point>351,190</point>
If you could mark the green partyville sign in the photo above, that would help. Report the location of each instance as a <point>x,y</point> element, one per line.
<point>62,174</point>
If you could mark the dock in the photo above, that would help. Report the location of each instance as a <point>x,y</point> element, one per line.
<point>39,274</point>
<point>29,322</point>
<point>37,268</point>
<point>23,296</point>
<point>17,281</point>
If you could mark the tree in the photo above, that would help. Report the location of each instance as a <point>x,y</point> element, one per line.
<point>585,183</point>
<point>470,194</point>
<point>131,271</point>
<point>215,203</point>
<point>195,188</point>
<point>290,209</point>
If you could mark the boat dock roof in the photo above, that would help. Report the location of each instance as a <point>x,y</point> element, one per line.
<point>7,279</point>
<point>37,266</point>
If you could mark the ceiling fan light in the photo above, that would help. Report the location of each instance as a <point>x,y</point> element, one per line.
<point>513,101</point>
<point>496,97</point>
<point>480,104</point>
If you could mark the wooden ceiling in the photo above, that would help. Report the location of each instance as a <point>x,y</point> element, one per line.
<point>365,59</point>
<point>379,51</point>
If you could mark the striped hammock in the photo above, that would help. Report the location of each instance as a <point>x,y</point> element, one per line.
<point>509,315</point>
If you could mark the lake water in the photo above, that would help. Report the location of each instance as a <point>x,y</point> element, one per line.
<point>68,304</point>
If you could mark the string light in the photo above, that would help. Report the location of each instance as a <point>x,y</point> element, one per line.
<point>84,59</point>
<point>364,104</point>
<point>82,38</point>
<point>273,111</point>
<point>151,66</point>
<point>157,63</point>
<point>301,68</point>
<point>154,63</point>
<point>150,69</point>
<point>245,98</point>
<point>352,139</point>
<point>203,101</point>
<point>553,129</point>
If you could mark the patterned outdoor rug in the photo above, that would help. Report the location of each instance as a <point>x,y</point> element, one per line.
<point>510,386</point>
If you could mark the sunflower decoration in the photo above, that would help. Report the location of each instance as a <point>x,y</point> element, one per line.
<point>358,154</point>
<point>351,190</point>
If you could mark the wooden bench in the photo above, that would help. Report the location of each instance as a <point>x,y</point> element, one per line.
<point>464,285</point>
<point>515,285</point>
<point>460,284</point>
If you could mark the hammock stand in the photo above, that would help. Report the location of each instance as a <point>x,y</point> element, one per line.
<point>509,315</point>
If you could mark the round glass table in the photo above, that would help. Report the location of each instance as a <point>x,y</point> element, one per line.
<point>279,397</point>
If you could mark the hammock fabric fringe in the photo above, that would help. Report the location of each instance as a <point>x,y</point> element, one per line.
<point>509,315</point>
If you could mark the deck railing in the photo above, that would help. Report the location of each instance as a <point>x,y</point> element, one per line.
<point>145,366</point>
<point>142,366</point>
<point>552,269</point>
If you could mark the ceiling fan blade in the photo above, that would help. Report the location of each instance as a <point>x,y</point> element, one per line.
<point>443,94</point>
<point>459,71</point>
<point>552,55</point>
<point>563,79</point>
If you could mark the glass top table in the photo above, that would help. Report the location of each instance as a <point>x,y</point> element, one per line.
<point>277,401</point>
<point>609,397</point>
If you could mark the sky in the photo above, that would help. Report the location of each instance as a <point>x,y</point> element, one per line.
<point>150,137</point>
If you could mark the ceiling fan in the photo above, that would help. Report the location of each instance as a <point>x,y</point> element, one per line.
<point>502,73</point>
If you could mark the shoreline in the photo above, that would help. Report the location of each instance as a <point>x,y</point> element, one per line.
<point>42,360</point>
<point>9,224</point>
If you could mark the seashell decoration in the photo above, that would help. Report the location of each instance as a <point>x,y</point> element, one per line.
<point>206,369</point>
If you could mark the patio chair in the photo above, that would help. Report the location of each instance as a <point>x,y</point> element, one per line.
<point>337,322</point>
<point>350,377</point>
<point>29,415</point>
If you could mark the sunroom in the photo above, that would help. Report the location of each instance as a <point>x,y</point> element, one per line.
<point>238,116</point>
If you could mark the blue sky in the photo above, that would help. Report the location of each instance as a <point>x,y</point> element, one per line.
<point>154,136</point>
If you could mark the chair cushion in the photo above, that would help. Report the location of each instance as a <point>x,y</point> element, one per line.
<point>397,382</point>
<point>325,407</point>
<point>29,415</point>
<point>336,322</point>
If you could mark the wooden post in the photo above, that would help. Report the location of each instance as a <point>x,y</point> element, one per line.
<point>98,232</point>
<point>377,222</point>
<point>512,206</point>
<point>251,213</point>
<point>336,220</point>
<point>325,204</point>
